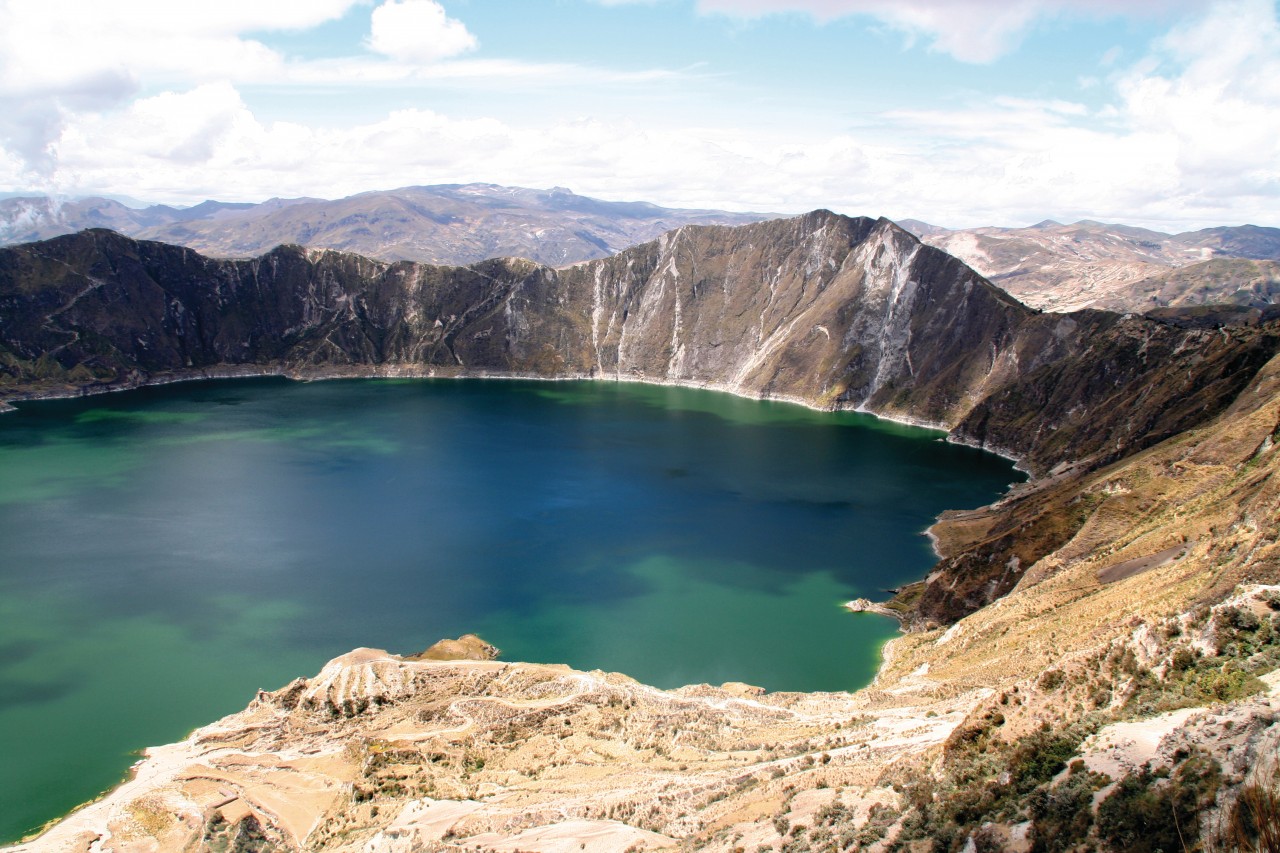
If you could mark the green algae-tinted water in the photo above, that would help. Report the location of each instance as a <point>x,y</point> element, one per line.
<point>166,552</point>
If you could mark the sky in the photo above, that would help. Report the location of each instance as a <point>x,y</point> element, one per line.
<point>1162,113</point>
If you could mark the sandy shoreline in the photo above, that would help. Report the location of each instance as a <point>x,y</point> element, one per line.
<point>82,827</point>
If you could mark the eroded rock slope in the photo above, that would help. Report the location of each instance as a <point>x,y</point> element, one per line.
<point>824,309</point>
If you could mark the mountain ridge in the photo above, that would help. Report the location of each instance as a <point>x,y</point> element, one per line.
<point>1090,264</point>
<point>443,223</point>
<point>825,309</point>
<point>1050,265</point>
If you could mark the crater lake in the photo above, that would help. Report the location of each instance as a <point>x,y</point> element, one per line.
<point>168,551</point>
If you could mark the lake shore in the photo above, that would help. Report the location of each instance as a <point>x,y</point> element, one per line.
<point>311,437</point>
<point>407,371</point>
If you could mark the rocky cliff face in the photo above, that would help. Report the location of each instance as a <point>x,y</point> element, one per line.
<point>1123,384</point>
<point>823,309</point>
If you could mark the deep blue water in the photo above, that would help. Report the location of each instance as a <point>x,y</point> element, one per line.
<point>168,551</point>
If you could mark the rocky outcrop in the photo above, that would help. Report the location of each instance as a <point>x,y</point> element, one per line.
<point>466,647</point>
<point>823,309</point>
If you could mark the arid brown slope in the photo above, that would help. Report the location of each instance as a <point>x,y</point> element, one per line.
<point>383,753</point>
<point>1231,281</point>
<point>1117,267</point>
<point>1130,631</point>
<point>1213,492</point>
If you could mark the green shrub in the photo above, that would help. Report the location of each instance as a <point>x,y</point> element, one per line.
<point>879,818</point>
<point>1222,685</point>
<point>1145,814</point>
<point>1183,659</point>
<point>1040,756</point>
<point>1063,815</point>
<point>1239,618</point>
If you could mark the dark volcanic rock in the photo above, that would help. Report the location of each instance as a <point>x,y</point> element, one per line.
<point>825,309</point>
<point>1129,383</point>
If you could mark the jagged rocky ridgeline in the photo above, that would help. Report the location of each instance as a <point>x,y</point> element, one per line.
<point>824,309</point>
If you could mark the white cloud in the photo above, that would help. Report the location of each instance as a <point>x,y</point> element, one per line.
<point>1014,161</point>
<point>977,31</point>
<point>206,142</point>
<point>502,74</point>
<point>417,31</point>
<point>58,56</point>
<point>1215,94</point>
<point>64,47</point>
<point>1191,137</point>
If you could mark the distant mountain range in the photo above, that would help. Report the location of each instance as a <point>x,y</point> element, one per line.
<point>1089,264</point>
<point>1050,266</point>
<point>445,224</point>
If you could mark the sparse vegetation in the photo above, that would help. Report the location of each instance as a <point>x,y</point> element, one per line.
<point>1152,811</point>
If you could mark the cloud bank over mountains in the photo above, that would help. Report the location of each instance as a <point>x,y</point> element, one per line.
<point>174,105</point>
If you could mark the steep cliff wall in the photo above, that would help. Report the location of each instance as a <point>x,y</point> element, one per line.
<point>824,309</point>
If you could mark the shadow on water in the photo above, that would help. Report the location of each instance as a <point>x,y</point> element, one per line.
<point>17,651</point>
<point>15,692</point>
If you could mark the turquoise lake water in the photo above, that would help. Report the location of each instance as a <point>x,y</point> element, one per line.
<point>166,552</point>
